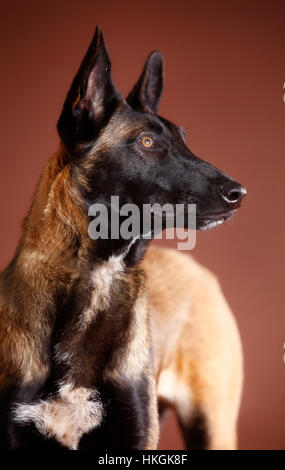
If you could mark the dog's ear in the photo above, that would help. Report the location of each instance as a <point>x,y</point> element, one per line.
<point>147,91</point>
<point>91,99</point>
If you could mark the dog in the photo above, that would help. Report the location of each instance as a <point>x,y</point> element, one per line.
<point>99,337</point>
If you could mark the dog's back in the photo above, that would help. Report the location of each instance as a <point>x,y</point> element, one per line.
<point>198,356</point>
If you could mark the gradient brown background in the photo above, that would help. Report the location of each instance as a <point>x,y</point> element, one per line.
<point>225,70</point>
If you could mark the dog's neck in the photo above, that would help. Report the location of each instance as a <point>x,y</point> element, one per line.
<point>69,287</point>
<point>56,226</point>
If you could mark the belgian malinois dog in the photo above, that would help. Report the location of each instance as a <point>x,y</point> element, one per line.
<point>97,337</point>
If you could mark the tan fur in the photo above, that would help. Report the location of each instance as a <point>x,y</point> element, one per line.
<point>198,356</point>
<point>135,357</point>
<point>43,263</point>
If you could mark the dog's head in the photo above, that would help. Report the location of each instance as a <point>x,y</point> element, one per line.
<point>124,148</point>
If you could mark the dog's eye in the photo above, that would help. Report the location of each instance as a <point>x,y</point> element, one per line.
<point>147,142</point>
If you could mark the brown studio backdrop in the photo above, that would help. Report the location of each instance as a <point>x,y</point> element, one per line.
<point>224,84</point>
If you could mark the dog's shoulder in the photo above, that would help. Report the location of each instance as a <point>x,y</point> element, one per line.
<point>165,265</point>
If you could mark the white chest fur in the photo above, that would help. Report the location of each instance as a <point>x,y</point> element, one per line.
<point>102,279</point>
<point>66,417</point>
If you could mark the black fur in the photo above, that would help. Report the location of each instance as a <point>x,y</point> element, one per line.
<point>196,432</point>
<point>127,418</point>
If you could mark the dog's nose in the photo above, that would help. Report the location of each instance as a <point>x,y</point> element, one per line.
<point>232,192</point>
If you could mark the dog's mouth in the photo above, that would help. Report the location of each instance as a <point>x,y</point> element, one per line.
<point>203,222</point>
<point>206,222</point>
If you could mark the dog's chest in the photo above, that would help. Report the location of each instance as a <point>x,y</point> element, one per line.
<point>65,417</point>
<point>76,410</point>
<point>103,280</point>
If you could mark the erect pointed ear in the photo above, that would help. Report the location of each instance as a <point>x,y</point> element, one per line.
<point>91,99</point>
<point>147,91</point>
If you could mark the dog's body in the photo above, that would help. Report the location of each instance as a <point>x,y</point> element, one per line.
<point>91,333</point>
<point>198,356</point>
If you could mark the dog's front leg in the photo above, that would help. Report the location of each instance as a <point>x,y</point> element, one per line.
<point>131,418</point>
